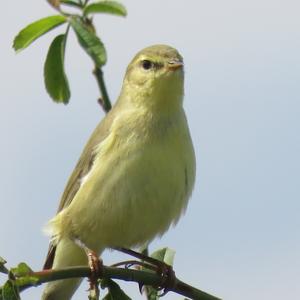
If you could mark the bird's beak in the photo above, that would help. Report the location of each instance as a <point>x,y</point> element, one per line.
<point>174,65</point>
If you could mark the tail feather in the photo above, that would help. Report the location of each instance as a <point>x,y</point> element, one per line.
<point>65,254</point>
<point>50,257</point>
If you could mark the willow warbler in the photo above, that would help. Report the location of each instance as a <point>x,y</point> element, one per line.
<point>136,173</point>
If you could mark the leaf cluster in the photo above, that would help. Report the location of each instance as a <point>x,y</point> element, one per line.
<point>81,23</point>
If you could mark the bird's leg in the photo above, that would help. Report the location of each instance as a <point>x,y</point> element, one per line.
<point>164,270</point>
<point>96,265</point>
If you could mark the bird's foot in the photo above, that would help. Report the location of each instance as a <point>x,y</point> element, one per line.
<point>168,278</point>
<point>96,266</point>
<point>164,270</point>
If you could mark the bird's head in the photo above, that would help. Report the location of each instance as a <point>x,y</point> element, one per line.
<point>155,75</point>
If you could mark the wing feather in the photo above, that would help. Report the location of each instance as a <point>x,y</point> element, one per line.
<point>82,168</point>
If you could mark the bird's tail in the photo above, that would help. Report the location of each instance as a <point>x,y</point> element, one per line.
<point>67,254</point>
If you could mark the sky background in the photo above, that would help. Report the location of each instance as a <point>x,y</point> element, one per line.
<point>240,236</point>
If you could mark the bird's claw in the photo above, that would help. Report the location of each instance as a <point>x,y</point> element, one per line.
<point>96,266</point>
<point>168,278</point>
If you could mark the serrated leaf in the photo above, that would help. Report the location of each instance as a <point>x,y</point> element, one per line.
<point>10,291</point>
<point>36,29</point>
<point>108,7</point>
<point>21,270</point>
<point>89,42</point>
<point>165,254</point>
<point>54,74</point>
<point>114,291</point>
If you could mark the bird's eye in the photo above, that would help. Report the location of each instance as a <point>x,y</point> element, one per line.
<point>147,64</point>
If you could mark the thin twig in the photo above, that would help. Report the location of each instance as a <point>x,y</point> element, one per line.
<point>141,256</point>
<point>104,100</point>
<point>130,263</point>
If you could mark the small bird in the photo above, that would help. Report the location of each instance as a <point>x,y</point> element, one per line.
<point>136,173</point>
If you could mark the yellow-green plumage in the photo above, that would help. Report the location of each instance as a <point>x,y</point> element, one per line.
<point>136,173</point>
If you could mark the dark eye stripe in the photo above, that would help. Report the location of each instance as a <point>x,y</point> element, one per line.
<point>147,64</point>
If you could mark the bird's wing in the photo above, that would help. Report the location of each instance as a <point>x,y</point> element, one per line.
<point>86,160</point>
<point>82,168</point>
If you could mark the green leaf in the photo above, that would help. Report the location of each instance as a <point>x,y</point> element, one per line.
<point>151,292</point>
<point>54,74</point>
<point>28,281</point>
<point>21,270</point>
<point>108,7</point>
<point>10,291</point>
<point>165,254</point>
<point>89,41</point>
<point>23,275</point>
<point>36,29</point>
<point>2,261</point>
<point>3,269</point>
<point>114,290</point>
<point>71,3</point>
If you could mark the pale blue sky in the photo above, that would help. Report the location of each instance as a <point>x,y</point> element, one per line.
<point>240,236</point>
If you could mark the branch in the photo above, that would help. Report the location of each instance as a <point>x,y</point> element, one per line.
<point>104,100</point>
<point>140,277</point>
